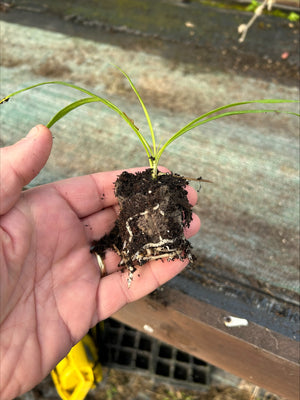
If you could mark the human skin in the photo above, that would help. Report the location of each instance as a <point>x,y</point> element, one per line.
<point>51,291</point>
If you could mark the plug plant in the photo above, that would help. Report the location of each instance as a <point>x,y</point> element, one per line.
<point>154,208</point>
<point>152,149</point>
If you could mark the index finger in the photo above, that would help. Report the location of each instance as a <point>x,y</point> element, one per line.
<point>89,194</point>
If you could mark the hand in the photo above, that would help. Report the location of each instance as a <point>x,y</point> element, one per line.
<point>50,285</point>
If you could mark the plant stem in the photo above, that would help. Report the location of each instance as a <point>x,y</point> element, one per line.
<point>154,170</point>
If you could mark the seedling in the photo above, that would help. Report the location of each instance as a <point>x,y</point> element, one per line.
<point>154,209</point>
<point>153,151</point>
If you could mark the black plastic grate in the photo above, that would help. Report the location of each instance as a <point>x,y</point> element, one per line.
<point>127,348</point>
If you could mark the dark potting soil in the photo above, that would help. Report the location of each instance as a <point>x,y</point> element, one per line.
<point>150,226</point>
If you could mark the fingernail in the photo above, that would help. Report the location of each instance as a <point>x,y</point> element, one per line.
<point>33,132</point>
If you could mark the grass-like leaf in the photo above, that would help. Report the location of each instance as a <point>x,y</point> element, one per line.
<point>47,83</point>
<point>203,118</point>
<point>143,106</point>
<point>93,98</point>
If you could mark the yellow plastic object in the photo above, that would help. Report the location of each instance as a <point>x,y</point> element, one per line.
<point>78,372</point>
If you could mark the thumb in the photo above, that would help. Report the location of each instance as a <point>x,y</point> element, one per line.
<point>21,162</point>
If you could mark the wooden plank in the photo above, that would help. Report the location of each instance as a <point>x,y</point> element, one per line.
<point>251,352</point>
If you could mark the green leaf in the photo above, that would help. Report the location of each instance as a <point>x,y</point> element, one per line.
<point>47,83</point>
<point>294,17</point>
<point>93,98</point>
<point>143,106</point>
<point>252,6</point>
<point>64,111</point>
<point>203,119</point>
<point>263,101</point>
<point>69,108</point>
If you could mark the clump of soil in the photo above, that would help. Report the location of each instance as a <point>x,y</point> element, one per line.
<point>150,226</point>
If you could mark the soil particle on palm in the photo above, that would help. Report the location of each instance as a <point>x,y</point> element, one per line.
<point>153,215</point>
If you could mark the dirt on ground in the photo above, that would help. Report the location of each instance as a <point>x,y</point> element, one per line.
<point>123,385</point>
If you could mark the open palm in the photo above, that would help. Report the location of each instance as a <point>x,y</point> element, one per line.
<point>51,289</point>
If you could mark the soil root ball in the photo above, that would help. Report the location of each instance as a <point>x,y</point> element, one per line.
<point>150,226</point>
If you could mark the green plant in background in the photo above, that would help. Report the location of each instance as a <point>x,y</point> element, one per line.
<point>252,6</point>
<point>111,392</point>
<point>154,151</point>
<point>293,17</point>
